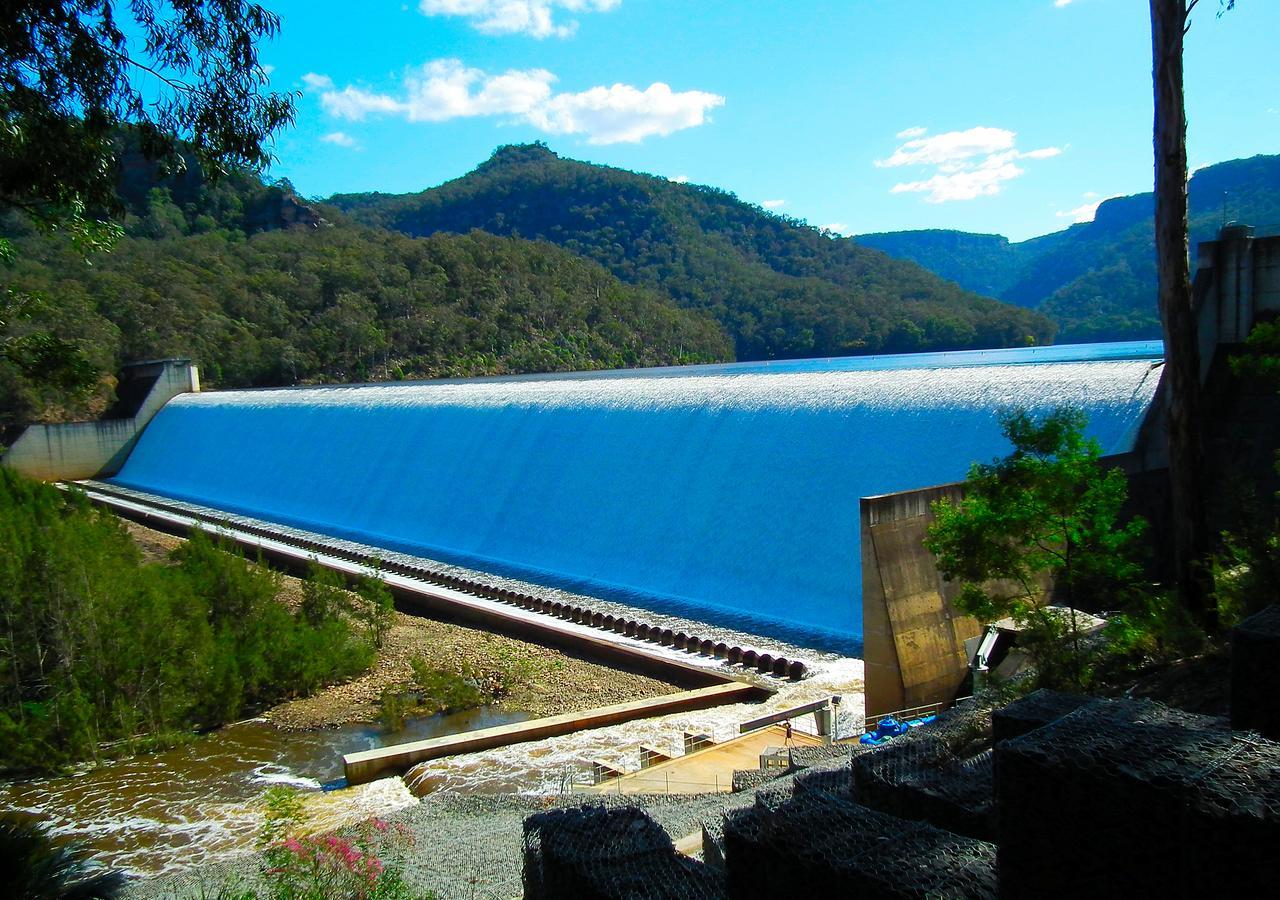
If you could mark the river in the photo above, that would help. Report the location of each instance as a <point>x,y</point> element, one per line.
<point>174,810</point>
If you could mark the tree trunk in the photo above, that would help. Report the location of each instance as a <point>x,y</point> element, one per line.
<point>1182,355</point>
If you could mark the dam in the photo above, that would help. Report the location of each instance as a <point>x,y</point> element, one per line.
<point>727,493</point>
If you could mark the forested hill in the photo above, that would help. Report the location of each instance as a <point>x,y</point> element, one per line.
<point>1097,280</point>
<point>779,287</point>
<point>260,288</point>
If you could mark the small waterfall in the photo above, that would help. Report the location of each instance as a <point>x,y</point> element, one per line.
<point>727,493</point>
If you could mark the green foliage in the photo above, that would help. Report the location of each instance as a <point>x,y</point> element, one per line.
<point>780,288</point>
<point>1046,513</point>
<point>378,607</point>
<point>283,814</point>
<point>394,707</point>
<point>97,647</point>
<point>324,595</point>
<point>72,73</point>
<point>1156,627</point>
<point>209,271</point>
<point>38,867</point>
<point>986,264</point>
<point>444,690</point>
<point>1096,280</point>
<point>1261,356</point>
<point>301,866</point>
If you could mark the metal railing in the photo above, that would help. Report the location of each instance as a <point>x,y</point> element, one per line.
<point>912,712</point>
<point>657,783</point>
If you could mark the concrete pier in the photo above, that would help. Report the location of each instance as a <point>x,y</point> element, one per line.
<point>370,764</point>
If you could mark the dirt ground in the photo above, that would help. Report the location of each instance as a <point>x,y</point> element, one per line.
<point>539,680</point>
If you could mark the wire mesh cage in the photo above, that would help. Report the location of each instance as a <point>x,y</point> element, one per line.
<point>816,840</point>
<point>597,852</point>
<point>1131,796</point>
<point>1255,673</point>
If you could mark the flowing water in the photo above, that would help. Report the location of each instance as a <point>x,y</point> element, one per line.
<point>173,810</point>
<point>724,493</point>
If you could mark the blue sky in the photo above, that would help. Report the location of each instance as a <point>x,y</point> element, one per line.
<point>1007,116</point>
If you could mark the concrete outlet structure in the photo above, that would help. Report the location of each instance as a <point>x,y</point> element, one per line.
<point>77,450</point>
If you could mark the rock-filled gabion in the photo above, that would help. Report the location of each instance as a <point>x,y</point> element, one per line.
<point>1131,798</point>
<point>1032,711</point>
<point>816,843</point>
<point>1255,673</point>
<point>749,779</point>
<point>924,781</point>
<point>600,853</point>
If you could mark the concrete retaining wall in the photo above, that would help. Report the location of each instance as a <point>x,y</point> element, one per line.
<point>913,638</point>
<point>1237,283</point>
<point>78,450</point>
<point>370,764</point>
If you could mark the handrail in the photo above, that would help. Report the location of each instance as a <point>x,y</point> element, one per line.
<point>911,712</point>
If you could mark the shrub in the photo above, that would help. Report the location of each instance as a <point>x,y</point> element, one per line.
<point>444,690</point>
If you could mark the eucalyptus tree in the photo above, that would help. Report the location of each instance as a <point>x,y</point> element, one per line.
<point>73,72</point>
<point>1170,21</point>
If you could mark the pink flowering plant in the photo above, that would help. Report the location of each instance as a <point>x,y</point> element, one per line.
<point>301,866</point>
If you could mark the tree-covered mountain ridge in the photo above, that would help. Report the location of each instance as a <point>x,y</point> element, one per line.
<point>779,288</point>
<point>262,288</point>
<point>1096,280</point>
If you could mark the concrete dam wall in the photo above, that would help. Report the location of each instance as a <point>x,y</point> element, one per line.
<point>726,493</point>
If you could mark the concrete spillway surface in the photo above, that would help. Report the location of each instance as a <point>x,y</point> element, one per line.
<point>726,493</point>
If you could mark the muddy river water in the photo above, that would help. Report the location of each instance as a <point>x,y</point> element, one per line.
<point>172,810</point>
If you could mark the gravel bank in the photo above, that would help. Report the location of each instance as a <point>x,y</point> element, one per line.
<point>463,847</point>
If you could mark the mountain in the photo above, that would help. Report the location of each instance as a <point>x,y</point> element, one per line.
<point>261,288</point>
<point>1096,280</point>
<point>779,287</point>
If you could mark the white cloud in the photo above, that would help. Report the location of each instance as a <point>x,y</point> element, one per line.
<point>536,18</point>
<point>341,138</point>
<point>835,228</point>
<point>623,114</point>
<point>1061,3</point>
<point>977,162</point>
<point>681,179</point>
<point>913,132</point>
<point>1042,153</point>
<point>318,82</point>
<point>1085,211</point>
<point>773,204</point>
<point>267,69</point>
<point>951,147</point>
<point>446,89</point>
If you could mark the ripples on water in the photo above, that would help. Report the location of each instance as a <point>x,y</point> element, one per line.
<point>173,810</point>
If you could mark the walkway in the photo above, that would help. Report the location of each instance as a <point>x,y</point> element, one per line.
<point>707,770</point>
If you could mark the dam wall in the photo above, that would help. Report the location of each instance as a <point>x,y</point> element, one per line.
<point>724,493</point>
<point>913,637</point>
<point>78,450</point>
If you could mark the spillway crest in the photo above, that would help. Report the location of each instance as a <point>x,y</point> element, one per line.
<point>728,493</point>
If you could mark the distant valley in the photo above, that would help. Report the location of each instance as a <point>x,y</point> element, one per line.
<point>1095,280</point>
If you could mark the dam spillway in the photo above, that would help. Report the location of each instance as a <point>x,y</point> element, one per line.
<point>726,493</point>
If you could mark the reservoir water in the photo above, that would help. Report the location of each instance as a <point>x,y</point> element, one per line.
<point>725,493</point>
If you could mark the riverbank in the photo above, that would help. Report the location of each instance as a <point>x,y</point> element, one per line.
<point>527,677</point>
